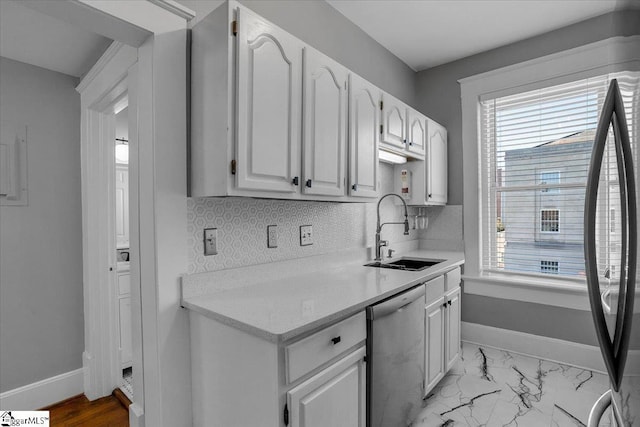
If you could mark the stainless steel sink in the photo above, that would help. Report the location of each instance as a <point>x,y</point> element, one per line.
<point>407,264</point>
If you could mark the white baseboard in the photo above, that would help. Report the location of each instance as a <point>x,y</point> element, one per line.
<point>43,393</point>
<point>136,415</point>
<point>552,349</point>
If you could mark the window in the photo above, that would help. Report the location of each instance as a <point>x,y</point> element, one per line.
<point>548,180</point>
<point>550,220</point>
<point>536,150</point>
<point>549,267</point>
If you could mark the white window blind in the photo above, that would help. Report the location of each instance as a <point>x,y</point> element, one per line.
<point>536,149</point>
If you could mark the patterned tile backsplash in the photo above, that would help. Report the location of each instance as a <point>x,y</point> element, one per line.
<point>242,227</point>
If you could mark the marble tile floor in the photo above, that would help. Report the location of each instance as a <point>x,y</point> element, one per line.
<point>494,388</point>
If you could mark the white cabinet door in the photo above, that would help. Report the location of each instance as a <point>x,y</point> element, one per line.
<point>125,331</point>
<point>364,116</point>
<point>435,343</point>
<point>394,123</point>
<point>417,132</point>
<point>334,397</point>
<point>452,328</point>
<point>437,164</point>
<point>122,207</point>
<point>269,78</point>
<point>325,125</point>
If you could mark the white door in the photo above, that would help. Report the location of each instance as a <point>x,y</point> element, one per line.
<point>363,137</point>
<point>394,122</point>
<point>453,328</point>
<point>269,103</point>
<point>417,132</point>
<point>434,365</point>
<point>437,163</point>
<point>334,397</point>
<point>325,125</point>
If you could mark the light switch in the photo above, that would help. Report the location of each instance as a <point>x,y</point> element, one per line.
<point>306,235</point>
<point>210,241</point>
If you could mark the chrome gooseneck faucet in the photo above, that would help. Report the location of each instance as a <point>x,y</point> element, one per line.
<point>381,243</point>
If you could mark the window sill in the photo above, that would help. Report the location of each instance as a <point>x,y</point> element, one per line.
<point>556,292</point>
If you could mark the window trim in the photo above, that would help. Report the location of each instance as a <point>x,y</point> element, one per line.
<point>562,67</point>
<point>549,221</point>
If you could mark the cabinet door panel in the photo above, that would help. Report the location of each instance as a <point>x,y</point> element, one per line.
<point>453,328</point>
<point>437,163</point>
<point>363,137</point>
<point>325,131</point>
<point>125,331</point>
<point>333,397</point>
<point>435,343</point>
<point>122,207</point>
<point>394,121</point>
<point>268,121</point>
<point>417,134</point>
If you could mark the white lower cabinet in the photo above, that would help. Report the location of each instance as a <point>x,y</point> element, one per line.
<point>315,380</point>
<point>442,327</point>
<point>332,397</point>
<point>124,318</point>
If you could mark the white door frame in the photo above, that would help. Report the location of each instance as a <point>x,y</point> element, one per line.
<point>104,89</point>
<point>157,88</point>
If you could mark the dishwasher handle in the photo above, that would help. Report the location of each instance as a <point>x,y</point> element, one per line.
<point>395,303</point>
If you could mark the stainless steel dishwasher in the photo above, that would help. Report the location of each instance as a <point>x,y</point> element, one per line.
<point>395,359</point>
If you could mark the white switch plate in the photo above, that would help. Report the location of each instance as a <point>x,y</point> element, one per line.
<point>210,241</point>
<point>272,236</point>
<point>306,235</point>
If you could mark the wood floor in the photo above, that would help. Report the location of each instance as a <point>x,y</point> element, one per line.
<point>79,411</point>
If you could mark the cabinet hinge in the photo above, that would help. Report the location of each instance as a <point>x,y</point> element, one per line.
<point>233,167</point>
<point>286,415</point>
<point>381,128</point>
<point>381,104</point>
<point>234,28</point>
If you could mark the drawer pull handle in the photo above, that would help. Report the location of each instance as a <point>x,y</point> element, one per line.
<point>336,340</point>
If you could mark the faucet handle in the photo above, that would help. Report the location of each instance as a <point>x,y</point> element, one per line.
<point>383,243</point>
<point>390,253</point>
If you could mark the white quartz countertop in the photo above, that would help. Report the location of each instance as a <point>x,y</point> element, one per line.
<point>279,309</point>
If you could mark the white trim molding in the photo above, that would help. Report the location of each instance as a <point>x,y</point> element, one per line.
<point>560,351</point>
<point>43,393</point>
<point>603,57</point>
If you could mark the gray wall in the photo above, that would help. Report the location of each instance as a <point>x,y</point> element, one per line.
<point>41,303</point>
<point>438,96</point>
<point>438,91</point>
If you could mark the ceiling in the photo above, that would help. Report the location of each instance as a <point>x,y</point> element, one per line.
<point>37,39</point>
<point>427,33</point>
<point>422,33</point>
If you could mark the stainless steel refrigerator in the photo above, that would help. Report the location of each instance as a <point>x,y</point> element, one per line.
<point>613,289</point>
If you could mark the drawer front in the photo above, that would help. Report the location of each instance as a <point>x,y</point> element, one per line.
<point>124,284</point>
<point>435,289</point>
<point>452,279</point>
<point>309,353</point>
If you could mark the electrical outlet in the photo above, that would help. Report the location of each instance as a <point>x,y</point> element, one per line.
<point>272,236</point>
<point>210,241</point>
<point>306,235</point>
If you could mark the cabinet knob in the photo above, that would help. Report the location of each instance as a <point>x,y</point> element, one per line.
<point>444,305</point>
<point>308,183</point>
<point>410,143</point>
<point>354,187</point>
<point>429,195</point>
<point>404,140</point>
<point>449,303</point>
<point>295,181</point>
<point>336,340</point>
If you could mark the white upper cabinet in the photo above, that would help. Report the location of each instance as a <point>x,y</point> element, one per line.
<point>436,163</point>
<point>403,128</point>
<point>268,123</point>
<point>364,101</point>
<point>417,132</point>
<point>269,115</point>
<point>325,125</point>
<point>394,122</point>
